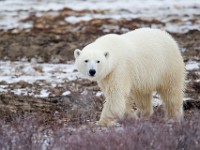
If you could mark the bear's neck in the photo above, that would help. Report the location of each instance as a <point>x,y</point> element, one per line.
<point>103,83</point>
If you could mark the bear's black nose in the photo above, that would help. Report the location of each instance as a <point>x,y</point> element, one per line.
<point>92,72</point>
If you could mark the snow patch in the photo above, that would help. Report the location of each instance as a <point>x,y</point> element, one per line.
<point>98,94</point>
<point>45,75</point>
<point>43,93</point>
<point>13,72</point>
<point>157,102</point>
<point>184,11</point>
<point>192,65</point>
<point>66,93</point>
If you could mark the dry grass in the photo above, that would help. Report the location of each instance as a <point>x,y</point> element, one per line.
<point>38,132</point>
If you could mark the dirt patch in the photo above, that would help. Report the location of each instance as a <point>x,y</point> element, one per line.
<point>48,45</point>
<point>52,38</point>
<point>74,109</point>
<point>190,43</point>
<point>81,106</point>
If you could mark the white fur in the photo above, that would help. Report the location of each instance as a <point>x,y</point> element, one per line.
<point>131,67</point>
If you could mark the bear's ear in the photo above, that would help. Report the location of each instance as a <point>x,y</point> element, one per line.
<point>77,52</point>
<point>106,54</point>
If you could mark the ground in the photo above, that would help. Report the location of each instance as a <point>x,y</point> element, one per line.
<point>54,110</point>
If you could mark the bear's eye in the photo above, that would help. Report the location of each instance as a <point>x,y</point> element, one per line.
<point>98,61</point>
<point>86,61</point>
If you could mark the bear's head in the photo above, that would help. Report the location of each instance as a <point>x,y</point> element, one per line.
<point>91,63</point>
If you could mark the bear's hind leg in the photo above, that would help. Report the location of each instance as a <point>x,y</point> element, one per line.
<point>173,100</point>
<point>130,112</point>
<point>144,104</point>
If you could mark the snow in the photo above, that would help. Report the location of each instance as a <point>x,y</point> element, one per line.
<point>46,5</point>
<point>66,93</point>
<point>12,11</point>
<point>157,102</point>
<point>2,88</point>
<point>192,66</point>
<point>13,72</point>
<point>98,94</point>
<point>53,74</point>
<point>43,93</point>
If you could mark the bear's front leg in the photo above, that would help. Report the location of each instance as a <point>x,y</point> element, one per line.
<point>113,110</point>
<point>106,123</point>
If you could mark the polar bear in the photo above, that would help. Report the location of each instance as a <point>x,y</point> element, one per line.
<point>129,68</point>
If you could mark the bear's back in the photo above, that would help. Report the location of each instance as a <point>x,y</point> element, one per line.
<point>153,44</point>
<point>154,40</point>
<point>156,53</point>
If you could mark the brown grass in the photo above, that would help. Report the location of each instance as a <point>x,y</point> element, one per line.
<point>37,132</point>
